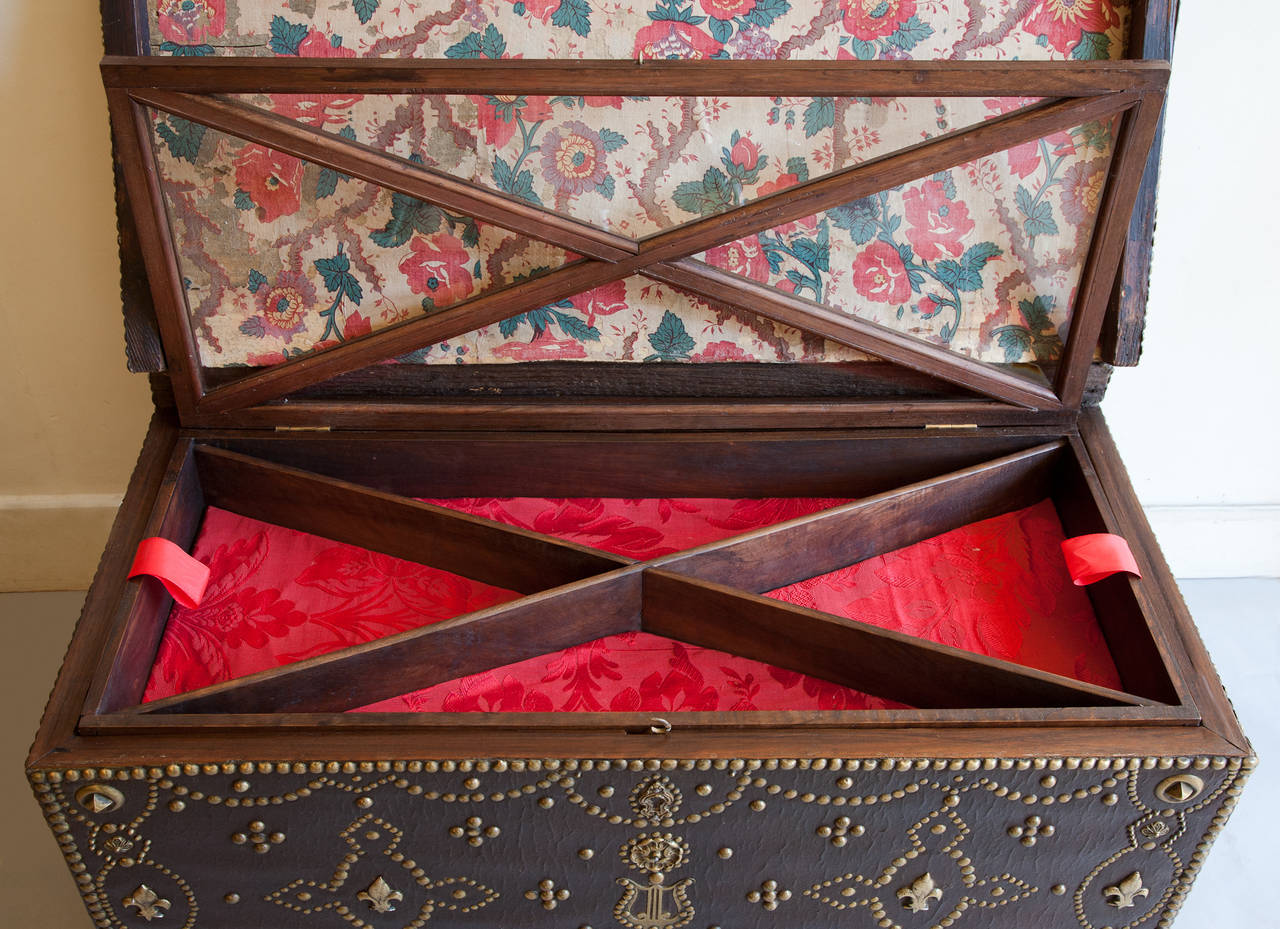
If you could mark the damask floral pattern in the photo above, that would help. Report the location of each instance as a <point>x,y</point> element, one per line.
<point>990,252</point>
<point>998,587</point>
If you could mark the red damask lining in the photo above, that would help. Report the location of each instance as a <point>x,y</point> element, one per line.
<point>997,587</point>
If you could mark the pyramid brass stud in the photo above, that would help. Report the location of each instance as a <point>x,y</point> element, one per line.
<point>99,798</point>
<point>1180,788</point>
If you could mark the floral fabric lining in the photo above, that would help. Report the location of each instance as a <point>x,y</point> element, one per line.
<point>998,587</point>
<point>282,257</point>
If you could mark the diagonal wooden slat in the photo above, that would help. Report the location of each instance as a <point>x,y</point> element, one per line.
<point>877,661</point>
<point>1107,248</point>
<point>482,549</point>
<point>794,203</point>
<point>389,171</point>
<point>781,554</point>
<point>608,604</point>
<point>702,279</point>
<point>654,78</point>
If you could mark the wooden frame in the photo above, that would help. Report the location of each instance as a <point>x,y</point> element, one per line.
<point>708,596</point>
<point>1076,93</point>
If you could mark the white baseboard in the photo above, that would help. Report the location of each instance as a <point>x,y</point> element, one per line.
<point>53,541</point>
<point>1219,541</point>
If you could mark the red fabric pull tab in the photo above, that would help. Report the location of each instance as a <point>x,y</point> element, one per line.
<point>183,576</point>
<point>1090,558</point>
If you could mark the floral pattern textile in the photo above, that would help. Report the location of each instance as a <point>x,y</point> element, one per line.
<point>988,254</point>
<point>998,587</point>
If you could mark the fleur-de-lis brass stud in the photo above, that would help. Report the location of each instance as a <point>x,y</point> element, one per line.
<point>1122,895</point>
<point>380,896</point>
<point>916,896</point>
<point>149,904</point>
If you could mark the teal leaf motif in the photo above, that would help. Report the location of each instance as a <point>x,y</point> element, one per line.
<point>338,278</point>
<point>574,14</point>
<point>407,217</point>
<point>671,10</point>
<point>1091,47</point>
<point>253,326</point>
<point>766,11</point>
<point>577,328</point>
<point>605,188</point>
<point>713,194</point>
<point>670,341</point>
<point>243,200</point>
<point>489,44</point>
<point>186,51</point>
<point>256,280</point>
<point>1039,214</point>
<point>365,9</point>
<point>611,140</point>
<point>327,183</point>
<point>857,218</point>
<point>818,115</point>
<point>799,167</point>
<point>286,36</point>
<point>1014,340</point>
<point>721,29</point>
<point>910,34</point>
<point>182,137</point>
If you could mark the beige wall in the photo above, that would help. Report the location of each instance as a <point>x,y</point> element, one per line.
<point>73,418</point>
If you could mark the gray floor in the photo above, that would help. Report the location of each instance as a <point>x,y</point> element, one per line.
<point>1237,618</point>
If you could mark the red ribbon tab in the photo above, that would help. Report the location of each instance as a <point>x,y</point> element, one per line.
<point>183,576</point>
<point>1090,558</point>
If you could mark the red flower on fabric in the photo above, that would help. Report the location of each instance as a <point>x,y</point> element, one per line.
<point>782,183</point>
<point>671,39</point>
<point>318,45</point>
<point>497,115</point>
<point>1024,159</point>
<point>874,19</point>
<point>542,347</point>
<point>744,257</point>
<point>272,180</point>
<point>601,301</point>
<point>722,351</point>
<point>439,268</point>
<point>543,9</point>
<point>727,9</point>
<point>284,307</point>
<point>745,154</point>
<point>1063,22</point>
<point>191,22</point>
<point>879,274</point>
<point>937,222</point>
<point>927,307</point>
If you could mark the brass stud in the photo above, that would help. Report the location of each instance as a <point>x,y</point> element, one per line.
<point>1180,788</point>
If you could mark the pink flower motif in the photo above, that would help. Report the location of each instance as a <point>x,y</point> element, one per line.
<point>543,347</point>
<point>727,9</point>
<point>1063,22</point>
<point>782,183</point>
<point>874,19</point>
<point>722,351</point>
<point>439,268</point>
<point>272,180</point>
<point>744,257</point>
<point>670,39</point>
<point>284,307</point>
<point>573,158</point>
<point>497,115</point>
<point>191,22</point>
<point>880,275</point>
<point>1082,186</point>
<point>318,45</point>
<point>927,307</point>
<point>543,9</point>
<point>601,301</point>
<point>937,223</point>
<point>745,154</point>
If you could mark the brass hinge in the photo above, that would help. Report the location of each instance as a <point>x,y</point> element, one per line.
<point>303,428</point>
<point>951,425</point>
